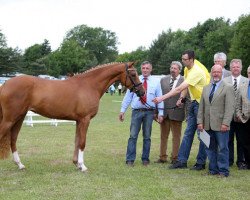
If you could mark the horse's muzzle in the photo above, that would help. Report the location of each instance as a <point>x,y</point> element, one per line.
<point>140,93</point>
<point>138,89</point>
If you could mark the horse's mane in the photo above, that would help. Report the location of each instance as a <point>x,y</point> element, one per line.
<point>96,68</point>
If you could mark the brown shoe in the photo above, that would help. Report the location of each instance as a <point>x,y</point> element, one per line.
<point>159,161</point>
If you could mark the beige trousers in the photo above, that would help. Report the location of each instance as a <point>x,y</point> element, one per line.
<point>175,127</point>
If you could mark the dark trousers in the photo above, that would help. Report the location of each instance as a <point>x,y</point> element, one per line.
<point>234,130</point>
<point>244,136</point>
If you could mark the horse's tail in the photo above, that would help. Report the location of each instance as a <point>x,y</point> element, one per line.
<point>1,113</point>
<point>5,146</point>
<point>4,139</point>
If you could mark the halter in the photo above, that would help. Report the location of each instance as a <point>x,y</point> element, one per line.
<point>135,86</point>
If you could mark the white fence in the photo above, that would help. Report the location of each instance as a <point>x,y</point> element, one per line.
<point>30,121</point>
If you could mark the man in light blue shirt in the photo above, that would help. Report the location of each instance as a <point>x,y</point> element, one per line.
<point>143,111</point>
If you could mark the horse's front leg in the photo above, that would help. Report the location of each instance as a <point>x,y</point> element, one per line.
<point>17,160</point>
<point>82,127</point>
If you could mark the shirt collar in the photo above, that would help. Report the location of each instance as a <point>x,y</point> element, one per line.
<point>217,83</point>
<point>237,78</point>
<point>177,77</point>
<point>142,77</point>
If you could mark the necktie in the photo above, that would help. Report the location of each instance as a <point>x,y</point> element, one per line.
<point>145,85</point>
<point>235,84</point>
<point>212,92</point>
<point>171,83</point>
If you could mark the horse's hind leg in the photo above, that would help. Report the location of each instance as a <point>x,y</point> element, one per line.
<point>14,133</point>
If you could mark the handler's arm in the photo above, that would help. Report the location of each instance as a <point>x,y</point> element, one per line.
<point>184,85</point>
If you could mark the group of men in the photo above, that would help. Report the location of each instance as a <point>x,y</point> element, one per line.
<point>218,103</point>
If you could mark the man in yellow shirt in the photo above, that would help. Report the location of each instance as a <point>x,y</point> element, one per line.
<point>195,80</point>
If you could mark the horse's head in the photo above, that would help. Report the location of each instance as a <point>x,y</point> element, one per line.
<point>132,81</point>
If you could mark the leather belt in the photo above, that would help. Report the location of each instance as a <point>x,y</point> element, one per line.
<point>144,109</point>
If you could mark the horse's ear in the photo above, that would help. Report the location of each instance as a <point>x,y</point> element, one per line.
<point>134,62</point>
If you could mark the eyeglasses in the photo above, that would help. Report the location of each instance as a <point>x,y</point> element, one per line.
<point>185,59</point>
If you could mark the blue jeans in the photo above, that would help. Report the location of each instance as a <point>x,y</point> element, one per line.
<point>218,152</point>
<point>138,119</point>
<point>188,137</point>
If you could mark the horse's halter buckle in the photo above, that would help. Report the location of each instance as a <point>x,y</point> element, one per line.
<point>135,86</point>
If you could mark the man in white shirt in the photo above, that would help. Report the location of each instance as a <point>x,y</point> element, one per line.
<point>236,79</point>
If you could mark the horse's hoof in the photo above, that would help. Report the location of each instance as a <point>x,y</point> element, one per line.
<point>82,167</point>
<point>84,170</point>
<point>21,167</point>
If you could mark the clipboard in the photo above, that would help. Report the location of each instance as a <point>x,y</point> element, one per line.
<point>205,138</point>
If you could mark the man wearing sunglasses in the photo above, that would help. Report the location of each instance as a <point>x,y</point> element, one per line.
<point>195,80</point>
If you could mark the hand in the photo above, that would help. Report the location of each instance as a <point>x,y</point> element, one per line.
<point>121,116</point>
<point>160,119</point>
<point>224,128</point>
<point>200,127</point>
<point>157,100</point>
<point>179,102</point>
<point>237,119</point>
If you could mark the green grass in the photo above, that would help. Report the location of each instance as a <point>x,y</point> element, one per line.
<point>47,151</point>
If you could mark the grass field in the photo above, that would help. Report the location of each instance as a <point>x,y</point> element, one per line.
<point>46,151</point>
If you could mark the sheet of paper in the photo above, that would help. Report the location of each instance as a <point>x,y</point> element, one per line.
<point>205,137</point>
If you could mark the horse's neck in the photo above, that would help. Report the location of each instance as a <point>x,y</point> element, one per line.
<point>104,77</point>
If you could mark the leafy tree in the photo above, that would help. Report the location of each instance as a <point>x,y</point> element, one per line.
<point>214,35</point>
<point>100,43</point>
<point>33,58</point>
<point>52,61</point>
<point>10,59</point>
<point>70,57</point>
<point>218,40</point>
<point>33,53</point>
<point>166,49</point>
<point>45,48</point>
<point>3,43</point>
<point>240,47</point>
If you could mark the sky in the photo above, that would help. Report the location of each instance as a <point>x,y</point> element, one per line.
<point>135,22</point>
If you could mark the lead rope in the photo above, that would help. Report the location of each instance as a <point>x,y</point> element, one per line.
<point>156,107</point>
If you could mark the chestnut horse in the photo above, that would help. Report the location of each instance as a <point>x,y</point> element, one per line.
<point>76,98</point>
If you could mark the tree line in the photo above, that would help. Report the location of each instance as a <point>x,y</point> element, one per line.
<point>84,47</point>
